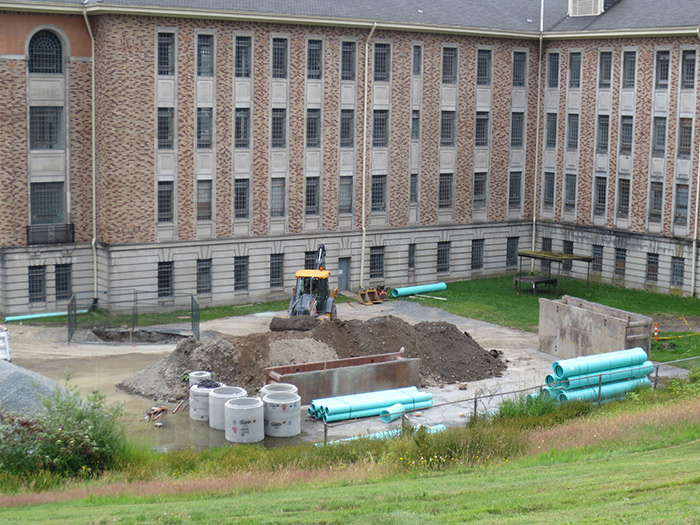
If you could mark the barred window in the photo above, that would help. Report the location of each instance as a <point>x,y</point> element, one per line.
<point>240,198</point>
<point>603,136</point>
<point>570,192</point>
<point>620,262</point>
<point>479,196</point>
<point>685,137</point>
<point>629,66</point>
<point>572,137</point>
<point>417,59</point>
<point>663,59</point>
<point>680,215</point>
<point>656,201</point>
<point>347,128</point>
<point>481,134</point>
<point>597,262</point>
<point>626,134</point>
<point>165,279</point>
<point>575,70</point>
<point>601,191</point>
<point>519,68</point>
<point>312,196</point>
<point>165,201</point>
<point>382,62</point>
<point>413,189</point>
<point>310,260</point>
<point>449,65</point>
<point>376,262</point>
<point>205,55</point>
<point>240,273</point>
<point>165,128</point>
<point>447,129</point>
<point>677,271</point>
<point>378,193</point>
<point>553,70</point>
<point>688,69</point>
<point>477,254</point>
<point>443,256</point>
<point>445,191</point>
<point>659,137</point>
<point>548,190</point>
<point>652,274</point>
<point>314,59</point>
<point>242,131</point>
<point>166,54</point>
<point>279,128</point>
<point>514,190</point>
<point>345,194</point>
<point>203,276</point>
<point>605,70</point>
<point>512,251</point>
<point>483,67</point>
<point>37,284</point>
<point>64,281</point>
<point>277,270</point>
<point>412,256</point>
<point>380,128</point>
<point>45,53</point>
<point>517,123</point>
<point>204,128</point>
<point>243,52</point>
<point>415,124</point>
<point>551,130</point>
<point>204,200</point>
<point>623,198</point>
<point>279,57</point>
<point>45,127</point>
<point>47,202</point>
<point>348,61</point>
<point>313,128</point>
<point>277,197</point>
<point>568,248</point>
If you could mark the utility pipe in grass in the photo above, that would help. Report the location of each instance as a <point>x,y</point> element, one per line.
<point>423,288</point>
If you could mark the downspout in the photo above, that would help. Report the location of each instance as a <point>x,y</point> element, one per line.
<point>695,234</point>
<point>364,161</point>
<point>93,155</point>
<point>537,135</point>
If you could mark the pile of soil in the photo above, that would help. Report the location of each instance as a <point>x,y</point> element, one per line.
<point>447,355</point>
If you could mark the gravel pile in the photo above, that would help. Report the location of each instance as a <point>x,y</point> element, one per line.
<point>22,391</point>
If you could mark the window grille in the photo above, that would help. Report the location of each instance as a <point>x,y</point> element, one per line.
<point>415,124</point>
<point>680,216</point>
<point>37,284</point>
<point>64,281</point>
<point>575,70</point>
<point>279,128</point>
<point>620,262</point>
<point>345,194</point>
<point>380,128</point>
<point>277,270</point>
<point>166,54</point>
<point>551,130</point>
<point>445,191</point>
<point>601,190</point>
<point>553,70</point>
<point>413,189</point>
<point>240,273</point>
<point>605,70</point>
<point>659,137</point>
<point>376,262</point>
<point>240,198</point>
<point>629,66</point>
<point>443,256</point>
<point>626,131</point>
<point>568,248</point>
<point>204,200</point>
<point>677,271</point>
<point>449,65</point>
<point>479,197</point>
<point>243,52</point>
<point>688,69</point>
<point>477,254</point>
<point>603,133</point>
<point>165,279</point>
<point>313,128</point>
<point>417,60</point>
<point>519,68</point>
<point>382,63</point>
<point>277,197</point>
<point>165,201</point>
<point>347,128</point>
<point>45,53</point>
<point>570,192</point>
<point>279,57</point>
<point>572,139</point>
<point>685,137</point>
<point>310,260</point>
<point>516,129</point>
<point>165,128</point>
<point>378,193</point>
<point>652,267</point>
<point>242,131</point>
<point>204,128</point>
<point>481,134</point>
<point>348,61</point>
<point>514,190</point>
<point>656,201</point>
<point>205,55</point>
<point>412,256</point>
<point>623,198</point>
<point>312,196</point>
<point>512,251</point>
<point>45,127</point>
<point>203,276</point>
<point>314,60</point>
<point>662,69</point>
<point>447,129</point>
<point>546,266</point>
<point>47,202</point>
<point>597,262</point>
<point>483,67</point>
<point>548,190</point>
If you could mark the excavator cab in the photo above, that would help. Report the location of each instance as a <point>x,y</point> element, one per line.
<point>311,294</point>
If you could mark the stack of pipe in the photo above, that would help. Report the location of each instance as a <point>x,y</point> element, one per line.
<point>607,376</point>
<point>353,406</point>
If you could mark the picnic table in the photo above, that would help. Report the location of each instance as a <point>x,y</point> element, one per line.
<point>533,281</point>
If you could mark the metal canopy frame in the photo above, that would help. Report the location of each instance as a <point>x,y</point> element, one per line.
<point>554,257</point>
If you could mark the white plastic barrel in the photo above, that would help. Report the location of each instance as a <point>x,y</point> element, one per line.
<point>217,400</point>
<point>278,387</point>
<point>282,414</point>
<point>199,402</point>
<point>244,420</point>
<point>197,376</point>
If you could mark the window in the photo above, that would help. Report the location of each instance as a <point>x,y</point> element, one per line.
<point>240,273</point>
<point>601,190</point>
<point>688,69</point>
<point>514,190</point>
<point>347,128</point>
<point>449,65</point>
<point>279,128</point>
<point>313,128</point>
<point>165,201</point>
<point>240,198</point>
<point>417,59</point>
<point>626,130</point>
<point>620,262</point>
<point>572,137</point>
<point>685,137</point>
<point>345,194</point>
<point>443,256</point>
<point>415,124</point>
<point>677,271</point>
<point>411,256</point>
<point>165,128</point>
<point>348,61</point>
<point>64,281</point>
<point>37,284</point>
<point>603,136</point>
<point>376,262</point>
<point>45,127</point>
<point>575,70</point>
<point>279,57</point>
<point>382,62</point>
<point>165,279</point>
<point>570,192</point>
<point>516,129</point>
<point>652,274</point>
<point>659,137</point>
<point>519,68</point>
<point>477,254</point>
<point>243,45</point>
<point>277,270</point>
<point>548,190</point>
<point>378,193</point>
<point>605,69</point>
<point>656,201</point>
<point>483,67</point>
<point>623,197</point>
<point>553,70</point>
<point>166,54</point>
<point>204,128</point>
<point>47,202</point>
<point>204,189</point>
<point>277,196</point>
<point>312,196</point>
<point>203,276</point>
<point>242,138</point>
<point>314,61</point>
<point>45,53</point>
<point>662,69</point>
<point>481,135</point>
<point>413,189</point>
<point>680,215</point>
<point>310,260</point>
<point>205,55</point>
<point>479,197</point>
<point>551,130</point>
<point>447,129</point>
<point>546,266</point>
<point>445,191</point>
<point>568,248</point>
<point>597,263</point>
<point>512,251</point>
<point>629,66</point>
<point>380,130</point>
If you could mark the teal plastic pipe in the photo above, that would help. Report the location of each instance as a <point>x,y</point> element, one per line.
<point>549,391</point>
<point>366,399</point>
<point>380,402</point>
<point>352,397</point>
<point>39,316</point>
<point>617,374</point>
<point>393,412</point>
<point>423,288</point>
<point>596,363</point>
<point>394,432</point>
<point>607,390</point>
<point>329,418</point>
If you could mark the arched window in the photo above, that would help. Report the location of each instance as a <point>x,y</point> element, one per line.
<point>45,53</point>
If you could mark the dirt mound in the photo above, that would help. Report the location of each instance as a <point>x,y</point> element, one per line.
<point>447,354</point>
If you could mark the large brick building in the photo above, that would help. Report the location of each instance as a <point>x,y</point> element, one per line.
<point>208,147</point>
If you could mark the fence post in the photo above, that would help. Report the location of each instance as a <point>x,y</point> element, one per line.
<point>656,375</point>
<point>600,389</point>
<point>475,408</point>
<point>325,433</point>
